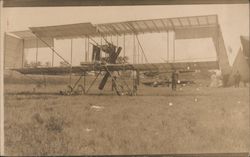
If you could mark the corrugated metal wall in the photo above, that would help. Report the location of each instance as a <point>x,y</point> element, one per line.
<point>240,64</point>
<point>14,56</point>
<point>13,52</point>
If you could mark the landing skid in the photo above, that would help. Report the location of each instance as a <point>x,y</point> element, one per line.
<point>121,88</point>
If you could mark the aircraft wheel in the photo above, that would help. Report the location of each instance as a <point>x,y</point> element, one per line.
<point>80,89</point>
<point>130,94</point>
<point>69,90</point>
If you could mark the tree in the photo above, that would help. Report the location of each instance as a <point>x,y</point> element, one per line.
<point>63,64</point>
<point>122,60</point>
<point>48,64</point>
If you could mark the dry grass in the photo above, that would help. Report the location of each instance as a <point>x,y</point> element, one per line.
<point>44,123</point>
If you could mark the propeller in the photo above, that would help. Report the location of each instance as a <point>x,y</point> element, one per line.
<point>112,59</point>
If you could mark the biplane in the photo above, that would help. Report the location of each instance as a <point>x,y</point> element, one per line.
<point>192,27</point>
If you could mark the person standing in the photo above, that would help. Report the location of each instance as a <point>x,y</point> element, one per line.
<point>174,80</point>
<point>237,79</point>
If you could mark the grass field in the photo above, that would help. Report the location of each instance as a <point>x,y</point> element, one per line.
<point>194,119</point>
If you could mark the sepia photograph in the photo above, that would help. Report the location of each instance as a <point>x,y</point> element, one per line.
<point>155,79</point>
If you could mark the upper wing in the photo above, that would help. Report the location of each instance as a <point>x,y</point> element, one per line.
<point>117,67</point>
<point>184,27</point>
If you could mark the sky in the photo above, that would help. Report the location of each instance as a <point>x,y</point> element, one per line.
<point>233,19</point>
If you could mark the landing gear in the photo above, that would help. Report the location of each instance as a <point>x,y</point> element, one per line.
<point>69,90</point>
<point>79,90</point>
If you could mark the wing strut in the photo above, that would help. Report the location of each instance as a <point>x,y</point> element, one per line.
<point>53,50</point>
<point>143,52</point>
<point>92,83</point>
<point>141,48</point>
